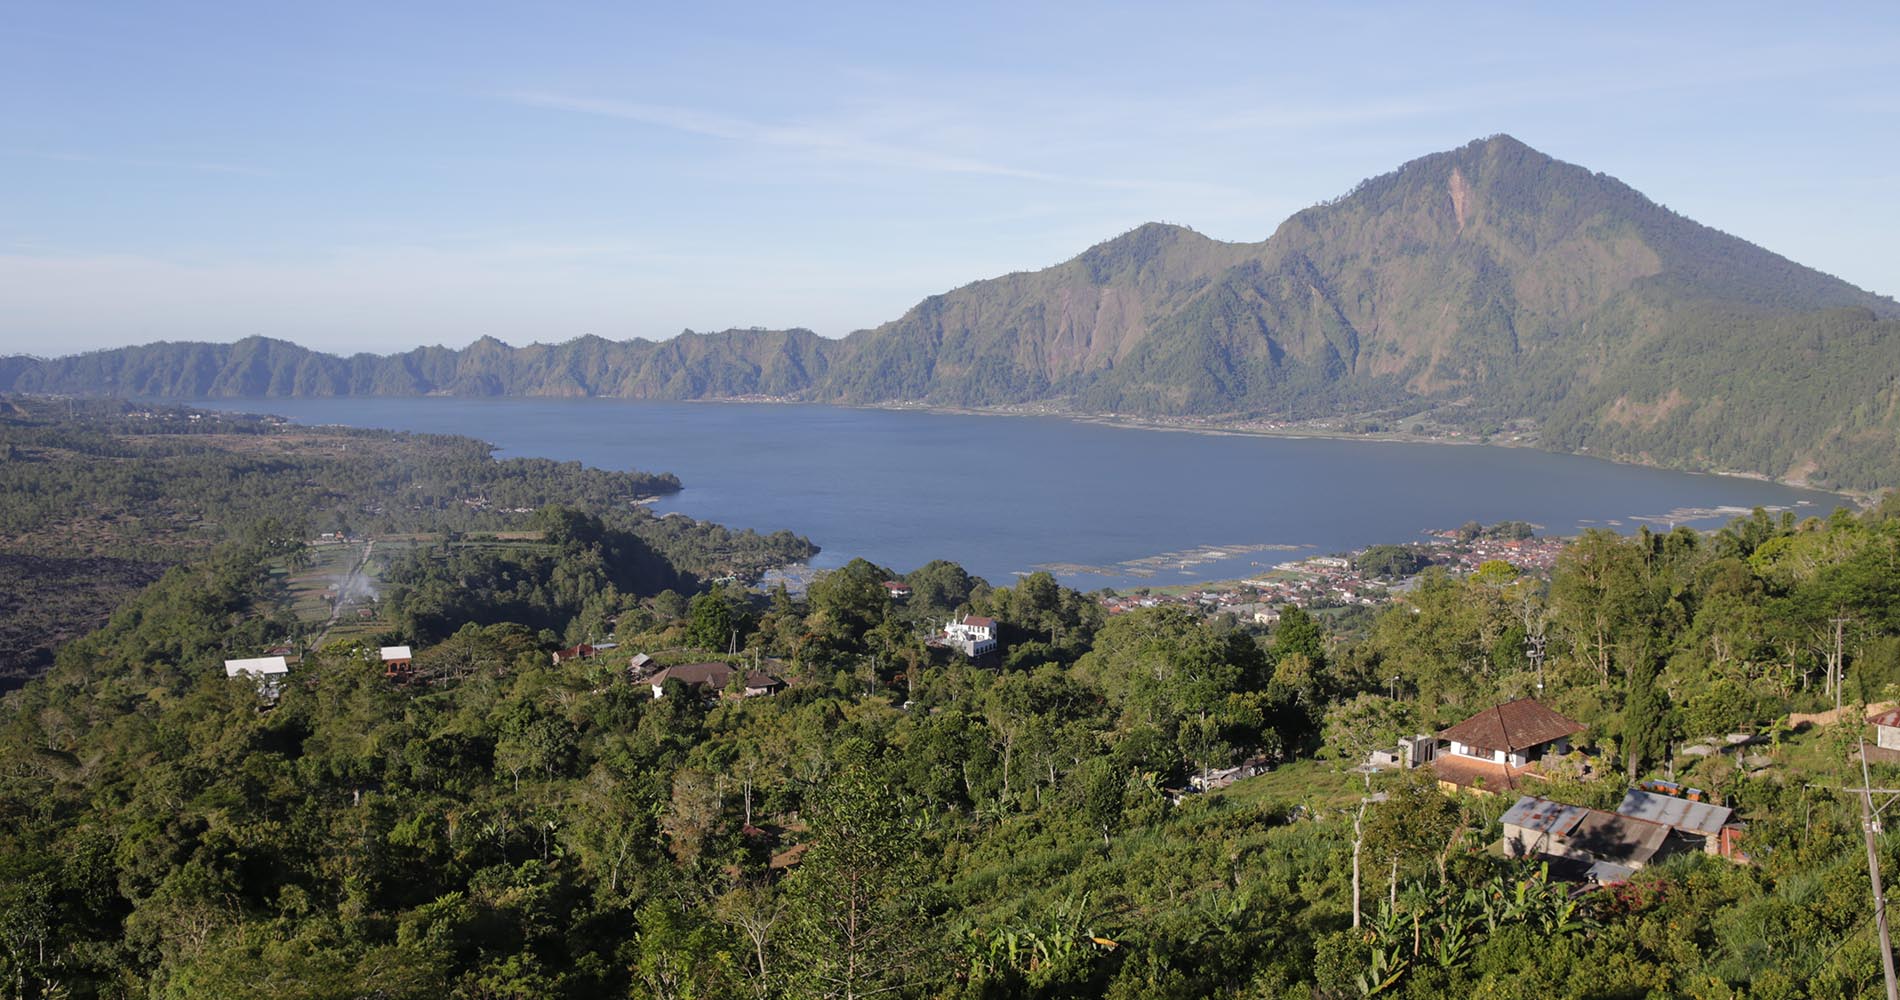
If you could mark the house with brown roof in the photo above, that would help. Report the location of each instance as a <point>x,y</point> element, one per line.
<point>713,678</point>
<point>580,652</point>
<point>1494,749</point>
<point>898,589</point>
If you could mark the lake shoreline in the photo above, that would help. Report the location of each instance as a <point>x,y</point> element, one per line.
<point>904,485</point>
<point>1216,428</point>
<point>1213,427</point>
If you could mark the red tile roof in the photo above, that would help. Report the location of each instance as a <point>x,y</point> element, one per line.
<point>1512,726</point>
<point>976,621</point>
<point>1480,775</point>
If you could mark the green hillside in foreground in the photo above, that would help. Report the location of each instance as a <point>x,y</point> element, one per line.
<point>1483,285</point>
<point>495,820</point>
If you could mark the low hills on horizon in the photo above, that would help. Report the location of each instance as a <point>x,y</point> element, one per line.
<point>1483,286</point>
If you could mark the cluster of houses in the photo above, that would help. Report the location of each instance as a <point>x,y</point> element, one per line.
<point>1333,581</point>
<point>1605,847</point>
<point>1531,555</point>
<point>1310,583</point>
<point>711,679</point>
<point>1497,749</point>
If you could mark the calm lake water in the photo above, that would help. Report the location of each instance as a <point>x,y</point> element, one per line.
<point>1099,505</point>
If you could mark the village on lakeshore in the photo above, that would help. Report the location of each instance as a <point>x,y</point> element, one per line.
<point>1357,579</point>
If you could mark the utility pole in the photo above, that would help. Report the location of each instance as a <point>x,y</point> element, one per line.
<point>1534,649</point>
<point>1870,831</point>
<point>1870,828</point>
<point>1836,674</point>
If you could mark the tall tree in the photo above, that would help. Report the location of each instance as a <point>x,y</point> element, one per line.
<point>857,930</point>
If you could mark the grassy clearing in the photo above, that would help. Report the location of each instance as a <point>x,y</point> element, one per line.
<point>1316,784</point>
<point>345,579</point>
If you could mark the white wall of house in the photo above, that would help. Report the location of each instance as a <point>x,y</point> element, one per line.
<point>973,640</point>
<point>1519,758</point>
<point>1887,737</point>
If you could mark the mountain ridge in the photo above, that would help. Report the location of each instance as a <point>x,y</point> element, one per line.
<point>1484,285</point>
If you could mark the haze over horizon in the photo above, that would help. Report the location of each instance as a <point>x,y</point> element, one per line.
<point>371,179</point>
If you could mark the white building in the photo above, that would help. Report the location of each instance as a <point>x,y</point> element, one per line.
<point>267,672</point>
<point>972,636</point>
<point>396,659</point>
<point>1493,749</point>
<point>1887,729</point>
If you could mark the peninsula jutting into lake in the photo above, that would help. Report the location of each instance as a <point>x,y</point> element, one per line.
<point>1100,505</point>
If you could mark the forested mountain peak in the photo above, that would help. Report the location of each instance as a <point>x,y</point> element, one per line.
<point>1475,287</point>
<point>1140,247</point>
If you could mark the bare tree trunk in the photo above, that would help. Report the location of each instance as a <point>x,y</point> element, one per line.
<point>1358,838</point>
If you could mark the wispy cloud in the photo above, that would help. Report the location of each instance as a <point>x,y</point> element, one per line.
<point>826,141</point>
<point>860,141</point>
<point>201,166</point>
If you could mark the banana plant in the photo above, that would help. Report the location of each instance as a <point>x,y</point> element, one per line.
<point>1483,901</point>
<point>1451,945</point>
<point>1387,930</point>
<point>1416,899</point>
<point>1384,973</point>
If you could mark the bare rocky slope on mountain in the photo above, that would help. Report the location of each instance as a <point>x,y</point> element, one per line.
<point>1484,285</point>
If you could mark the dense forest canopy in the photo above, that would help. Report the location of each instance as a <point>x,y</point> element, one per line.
<point>903,821</point>
<point>1468,291</point>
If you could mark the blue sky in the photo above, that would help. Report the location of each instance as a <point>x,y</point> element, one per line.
<point>377,176</point>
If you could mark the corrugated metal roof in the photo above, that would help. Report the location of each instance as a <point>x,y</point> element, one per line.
<point>1544,816</point>
<point>1889,718</point>
<point>256,665</point>
<point>1702,818</point>
<point>1622,840</point>
<point>1604,873</point>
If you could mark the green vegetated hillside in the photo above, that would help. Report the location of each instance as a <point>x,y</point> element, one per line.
<point>1486,284</point>
<point>902,822</point>
<point>97,501</point>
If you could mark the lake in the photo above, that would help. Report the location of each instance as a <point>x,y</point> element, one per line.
<point>1098,505</point>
